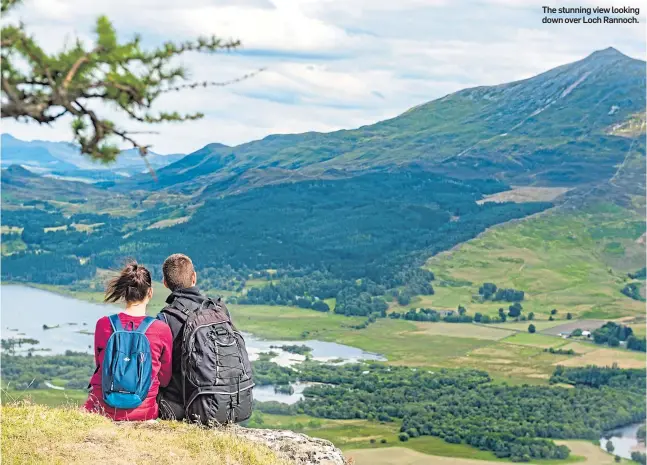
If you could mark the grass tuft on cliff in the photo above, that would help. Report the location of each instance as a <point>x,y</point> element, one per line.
<point>37,434</point>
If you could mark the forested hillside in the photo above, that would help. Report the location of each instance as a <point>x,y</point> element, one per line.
<point>378,228</point>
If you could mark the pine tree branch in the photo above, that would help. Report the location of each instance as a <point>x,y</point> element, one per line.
<point>195,85</point>
<point>73,70</point>
<point>115,73</point>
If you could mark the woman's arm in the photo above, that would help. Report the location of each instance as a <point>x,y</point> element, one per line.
<point>102,333</point>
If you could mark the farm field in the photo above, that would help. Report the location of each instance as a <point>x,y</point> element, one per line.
<point>540,325</point>
<point>463,330</point>
<point>534,340</point>
<point>607,357</point>
<point>588,325</point>
<point>581,452</point>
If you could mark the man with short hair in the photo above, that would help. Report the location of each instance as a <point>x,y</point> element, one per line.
<point>180,278</point>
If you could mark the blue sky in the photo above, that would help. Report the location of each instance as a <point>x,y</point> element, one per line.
<point>330,64</point>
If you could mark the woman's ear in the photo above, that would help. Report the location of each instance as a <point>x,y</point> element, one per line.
<point>150,293</point>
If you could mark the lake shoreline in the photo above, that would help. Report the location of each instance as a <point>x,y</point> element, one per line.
<point>55,321</point>
<point>624,440</point>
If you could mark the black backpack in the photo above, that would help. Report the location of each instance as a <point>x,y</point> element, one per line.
<point>216,373</point>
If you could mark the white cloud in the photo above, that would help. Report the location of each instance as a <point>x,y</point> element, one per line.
<point>331,64</point>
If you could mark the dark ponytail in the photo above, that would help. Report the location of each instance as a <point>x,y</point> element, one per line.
<point>131,285</point>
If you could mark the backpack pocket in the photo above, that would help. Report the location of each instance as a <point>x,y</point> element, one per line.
<point>202,358</point>
<point>230,362</point>
<point>130,381</point>
<point>242,353</point>
<point>128,373</point>
<point>214,408</point>
<point>208,407</point>
<point>242,407</point>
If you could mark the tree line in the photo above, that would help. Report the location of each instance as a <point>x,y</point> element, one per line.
<point>612,334</point>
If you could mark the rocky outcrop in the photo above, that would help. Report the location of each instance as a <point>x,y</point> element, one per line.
<point>295,447</point>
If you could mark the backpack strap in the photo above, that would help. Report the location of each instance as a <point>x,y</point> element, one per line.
<point>145,324</point>
<point>115,323</point>
<point>176,312</point>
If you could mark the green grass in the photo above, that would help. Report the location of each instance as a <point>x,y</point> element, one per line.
<point>535,340</point>
<point>37,434</point>
<point>400,341</point>
<point>567,260</point>
<point>49,397</point>
<point>639,329</point>
<point>11,244</point>
<point>260,283</point>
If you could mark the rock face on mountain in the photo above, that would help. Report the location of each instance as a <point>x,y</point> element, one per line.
<point>294,447</point>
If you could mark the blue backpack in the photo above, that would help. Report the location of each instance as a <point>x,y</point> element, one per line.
<point>127,365</point>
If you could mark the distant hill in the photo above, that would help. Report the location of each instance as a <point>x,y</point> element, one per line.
<point>559,128</point>
<point>21,183</point>
<point>65,159</point>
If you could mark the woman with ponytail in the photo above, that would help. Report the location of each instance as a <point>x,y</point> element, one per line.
<point>115,389</point>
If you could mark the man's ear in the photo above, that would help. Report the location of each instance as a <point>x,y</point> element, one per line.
<point>165,285</point>
<point>195,279</point>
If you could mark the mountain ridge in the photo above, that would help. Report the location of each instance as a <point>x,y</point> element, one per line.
<point>550,129</point>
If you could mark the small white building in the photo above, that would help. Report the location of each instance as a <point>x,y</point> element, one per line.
<point>586,333</point>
